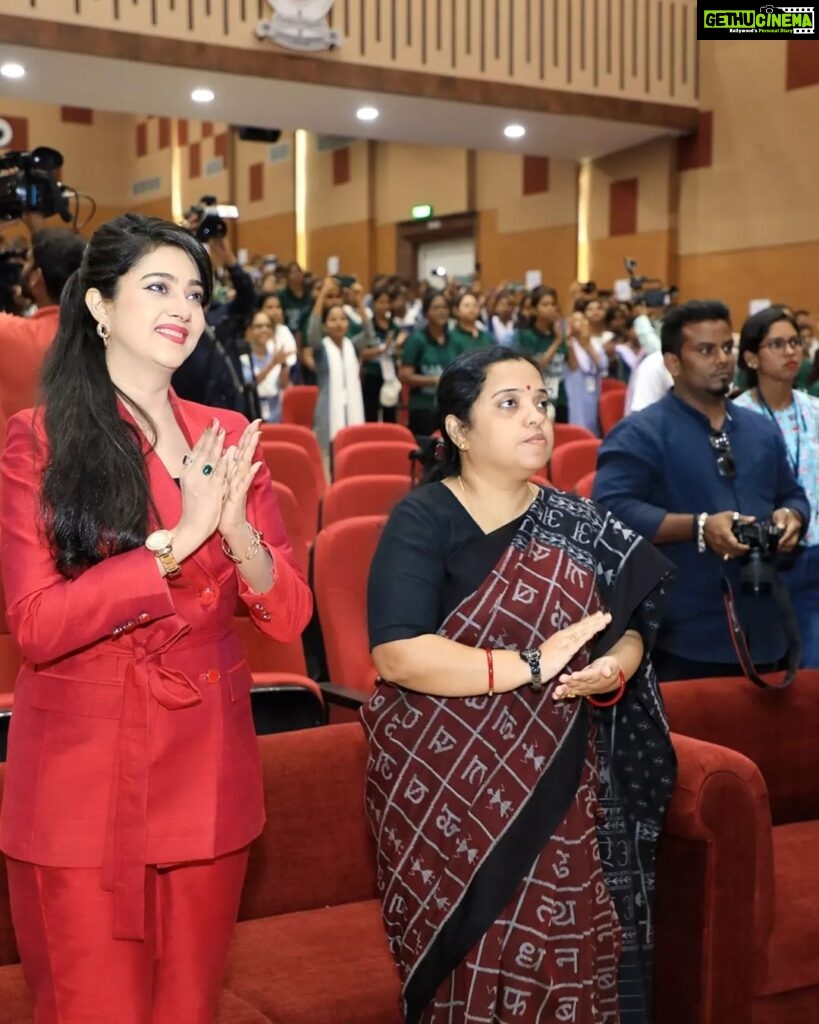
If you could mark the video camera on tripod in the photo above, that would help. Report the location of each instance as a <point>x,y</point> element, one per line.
<point>29,183</point>
<point>654,297</point>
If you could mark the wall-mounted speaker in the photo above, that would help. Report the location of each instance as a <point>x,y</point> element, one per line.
<point>268,135</point>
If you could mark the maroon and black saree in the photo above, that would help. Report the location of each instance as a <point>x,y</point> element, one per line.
<point>516,834</point>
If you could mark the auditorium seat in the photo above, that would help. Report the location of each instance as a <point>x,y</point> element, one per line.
<point>283,696</point>
<point>565,432</point>
<point>584,485</point>
<point>294,433</point>
<point>369,457</point>
<point>573,460</point>
<point>291,465</point>
<point>341,565</point>
<point>368,495</point>
<point>299,404</point>
<point>612,408</point>
<point>359,433</point>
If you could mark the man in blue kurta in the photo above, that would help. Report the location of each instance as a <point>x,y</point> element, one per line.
<point>682,473</point>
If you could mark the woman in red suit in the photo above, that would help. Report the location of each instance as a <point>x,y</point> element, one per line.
<point>131,521</point>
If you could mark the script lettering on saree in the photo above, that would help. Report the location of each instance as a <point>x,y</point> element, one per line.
<point>416,791</point>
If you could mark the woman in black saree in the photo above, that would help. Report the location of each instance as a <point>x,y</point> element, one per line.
<point>516,823</point>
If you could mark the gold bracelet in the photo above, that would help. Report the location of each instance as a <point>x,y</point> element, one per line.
<point>253,547</point>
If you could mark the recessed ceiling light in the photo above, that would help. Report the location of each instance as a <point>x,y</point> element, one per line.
<point>203,95</point>
<point>12,70</point>
<point>366,114</point>
<point>514,131</point>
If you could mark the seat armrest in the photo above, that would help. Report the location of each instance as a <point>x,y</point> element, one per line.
<point>714,909</point>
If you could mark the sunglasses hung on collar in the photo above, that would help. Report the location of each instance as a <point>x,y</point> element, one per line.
<point>721,446</point>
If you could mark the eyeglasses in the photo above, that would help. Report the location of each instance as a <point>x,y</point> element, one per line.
<point>780,344</point>
<point>726,465</point>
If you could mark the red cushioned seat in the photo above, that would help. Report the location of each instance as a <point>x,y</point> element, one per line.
<point>320,947</point>
<point>299,404</point>
<point>793,948</point>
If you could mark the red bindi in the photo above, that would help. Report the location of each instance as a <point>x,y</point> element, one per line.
<point>528,387</point>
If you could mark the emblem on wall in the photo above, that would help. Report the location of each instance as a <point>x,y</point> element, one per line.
<point>300,25</point>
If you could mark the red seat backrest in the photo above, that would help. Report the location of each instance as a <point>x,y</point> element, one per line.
<point>341,566</point>
<point>612,408</point>
<point>612,384</point>
<point>777,730</point>
<point>584,485</point>
<point>266,655</point>
<point>565,432</point>
<point>299,404</point>
<point>370,457</point>
<point>293,524</point>
<point>361,432</point>
<point>294,433</point>
<point>573,460</point>
<point>362,496</point>
<point>291,465</point>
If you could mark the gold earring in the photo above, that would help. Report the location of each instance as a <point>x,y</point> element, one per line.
<point>104,332</point>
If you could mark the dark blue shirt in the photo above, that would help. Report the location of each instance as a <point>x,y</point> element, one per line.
<point>659,461</point>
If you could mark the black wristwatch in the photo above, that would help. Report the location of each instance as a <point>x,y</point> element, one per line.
<point>532,659</point>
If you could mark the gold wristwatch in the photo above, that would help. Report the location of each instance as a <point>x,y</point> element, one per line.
<point>160,544</point>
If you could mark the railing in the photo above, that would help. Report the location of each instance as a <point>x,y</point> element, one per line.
<point>634,49</point>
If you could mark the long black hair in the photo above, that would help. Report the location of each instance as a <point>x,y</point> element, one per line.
<point>458,389</point>
<point>95,498</point>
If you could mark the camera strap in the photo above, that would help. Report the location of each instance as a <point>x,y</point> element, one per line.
<point>792,637</point>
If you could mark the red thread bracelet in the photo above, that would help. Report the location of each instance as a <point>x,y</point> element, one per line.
<point>491,669</point>
<point>621,689</point>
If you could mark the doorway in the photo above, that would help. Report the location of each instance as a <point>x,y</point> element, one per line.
<point>447,257</point>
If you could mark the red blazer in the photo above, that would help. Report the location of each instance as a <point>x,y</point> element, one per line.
<point>132,739</point>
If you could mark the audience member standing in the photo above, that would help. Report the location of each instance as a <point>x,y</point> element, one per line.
<point>542,342</point>
<point>770,351</point>
<point>133,786</point>
<point>340,402</point>
<point>586,367</point>
<point>379,373</point>
<point>55,255</point>
<point>468,331</point>
<point>426,355</point>
<point>682,473</point>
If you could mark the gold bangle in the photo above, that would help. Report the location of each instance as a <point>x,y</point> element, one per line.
<point>252,550</point>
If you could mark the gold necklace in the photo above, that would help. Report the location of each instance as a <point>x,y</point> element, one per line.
<point>533,493</point>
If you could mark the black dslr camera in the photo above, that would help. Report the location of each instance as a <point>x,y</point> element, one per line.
<point>758,566</point>
<point>207,218</point>
<point>29,184</point>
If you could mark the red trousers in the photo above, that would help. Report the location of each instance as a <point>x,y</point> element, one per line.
<point>79,974</point>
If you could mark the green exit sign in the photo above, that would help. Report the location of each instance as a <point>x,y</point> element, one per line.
<point>422,212</point>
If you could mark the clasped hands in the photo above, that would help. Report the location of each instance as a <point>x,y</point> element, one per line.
<point>215,482</point>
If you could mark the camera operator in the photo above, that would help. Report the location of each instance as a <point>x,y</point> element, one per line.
<point>689,473</point>
<point>212,374</point>
<point>55,255</point>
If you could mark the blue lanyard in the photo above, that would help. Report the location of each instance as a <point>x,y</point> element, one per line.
<point>801,426</point>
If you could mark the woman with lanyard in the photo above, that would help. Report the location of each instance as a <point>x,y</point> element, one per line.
<point>379,376</point>
<point>272,353</point>
<point>770,352</point>
<point>587,365</point>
